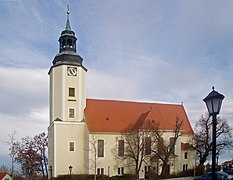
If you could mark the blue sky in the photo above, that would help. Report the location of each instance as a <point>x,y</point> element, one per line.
<point>151,50</point>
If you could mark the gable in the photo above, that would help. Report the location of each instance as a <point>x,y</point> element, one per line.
<point>4,175</point>
<point>110,116</point>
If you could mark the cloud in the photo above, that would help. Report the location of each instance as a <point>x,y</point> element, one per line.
<point>105,86</point>
<point>22,89</point>
<point>31,123</point>
<point>24,103</point>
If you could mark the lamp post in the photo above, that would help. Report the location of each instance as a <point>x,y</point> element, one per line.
<point>51,172</point>
<point>213,102</point>
<point>217,156</point>
<point>70,168</point>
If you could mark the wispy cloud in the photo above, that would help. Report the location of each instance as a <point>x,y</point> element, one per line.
<point>22,89</point>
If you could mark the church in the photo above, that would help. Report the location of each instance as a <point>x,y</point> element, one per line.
<point>88,136</point>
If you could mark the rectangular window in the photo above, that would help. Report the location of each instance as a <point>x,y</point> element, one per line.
<point>71,92</point>
<point>71,112</point>
<point>71,146</point>
<point>186,155</point>
<point>148,146</point>
<point>120,170</point>
<point>147,169</point>
<point>100,171</point>
<point>121,148</point>
<point>172,145</point>
<point>100,152</point>
<point>185,167</point>
<point>160,145</point>
<point>167,169</point>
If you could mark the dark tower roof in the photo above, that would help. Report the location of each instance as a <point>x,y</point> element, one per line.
<point>67,47</point>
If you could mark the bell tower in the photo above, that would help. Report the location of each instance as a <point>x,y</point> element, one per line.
<point>67,79</point>
<point>67,101</point>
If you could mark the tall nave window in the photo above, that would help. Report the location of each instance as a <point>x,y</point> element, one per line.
<point>121,147</point>
<point>100,149</point>
<point>148,146</point>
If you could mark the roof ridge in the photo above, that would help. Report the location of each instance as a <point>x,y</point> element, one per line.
<point>139,102</point>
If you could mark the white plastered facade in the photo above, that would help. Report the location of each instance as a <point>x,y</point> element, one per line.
<point>63,128</point>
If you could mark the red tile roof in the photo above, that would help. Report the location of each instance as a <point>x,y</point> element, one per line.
<point>185,146</point>
<point>2,175</point>
<point>114,116</point>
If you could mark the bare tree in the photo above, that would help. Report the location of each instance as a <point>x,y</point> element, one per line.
<point>4,168</point>
<point>13,149</point>
<point>136,148</point>
<point>144,143</point>
<point>165,150</point>
<point>93,150</point>
<point>28,157</point>
<point>41,144</point>
<point>203,137</point>
<point>30,153</point>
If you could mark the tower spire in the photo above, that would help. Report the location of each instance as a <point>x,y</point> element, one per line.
<point>67,46</point>
<point>68,28</point>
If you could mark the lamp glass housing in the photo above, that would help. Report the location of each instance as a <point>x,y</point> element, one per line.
<point>70,168</point>
<point>214,102</point>
<point>214,106</point>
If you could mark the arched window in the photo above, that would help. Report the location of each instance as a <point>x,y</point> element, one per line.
<point>63,43</point>
<point>69,42</point>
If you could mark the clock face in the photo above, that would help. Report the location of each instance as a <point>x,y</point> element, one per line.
<point>71,71</point>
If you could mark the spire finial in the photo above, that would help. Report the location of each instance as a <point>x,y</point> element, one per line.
<point>68,9</point>
<point>213,88</point>
<point>68,18</point>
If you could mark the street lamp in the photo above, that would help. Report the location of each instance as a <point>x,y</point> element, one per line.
<point>213,102</point>
<point>217,156</point>
<point>51,172</point>
<point>70,168</point>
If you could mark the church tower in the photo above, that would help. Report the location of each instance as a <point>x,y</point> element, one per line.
<point>67,101</point>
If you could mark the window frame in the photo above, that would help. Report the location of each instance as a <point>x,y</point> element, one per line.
<point>121,148</point>
<point>100,148</point>
<point>185,167</point>
<point>172,141</point>
<point>100,171</point>
<point>148,146</point>
<point>71,92</point>
<point>71,147</point>
<point>120,170</point>
<point>69,112</point>
<point>160,145</point>
<point>186,155</point>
